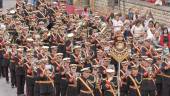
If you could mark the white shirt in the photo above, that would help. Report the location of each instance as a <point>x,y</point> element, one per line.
<point>158,2</point>
<point>137,31</point>
<point>2,26</point>
<point>146,23</point>
<point>149,35</point>
<point>117,25</point>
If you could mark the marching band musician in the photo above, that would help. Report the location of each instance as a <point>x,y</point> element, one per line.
<point>99,58</point>
<point>53,38</point>
<point>158,78</point>
<point>75,57</point>
<point>103,66</point>
<point>6,62</point>
<point>56,61</point>
<point>12,66</point>
<point>95,78</point>
<point>124,73</point>
<point>72,81</point>
<point>44,85</point>
<point>166,77</point>
<point>30,75</point>
<point>68,46</point>
<point>64,81</point>
<point>41,13</point>
<point>84,87</point>
<point>60,41</point>
<point>133,82</point>
<point>88,52</point>
<point>109,85</point>
<point>2,51</point>
<point>20,73</point>
<point>148,86</point>
<point>53,51</point>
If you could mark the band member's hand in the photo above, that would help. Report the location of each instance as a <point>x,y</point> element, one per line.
<point>57,68</point>
<point>167,67</point>
<point>107,86</point>
<point>77,59</point>
<point>71,80</point>
<point>104,72</point>
<point>145,74</point>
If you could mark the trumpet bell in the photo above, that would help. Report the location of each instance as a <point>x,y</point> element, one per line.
<point>12,11</point>
<point>70,35</point>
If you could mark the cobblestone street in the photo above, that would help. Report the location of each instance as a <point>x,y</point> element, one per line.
<point>8,4</point>
<point>5,89</point>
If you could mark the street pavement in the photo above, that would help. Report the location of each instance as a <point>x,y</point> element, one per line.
<point>5,88</point>
<point>8,4</point>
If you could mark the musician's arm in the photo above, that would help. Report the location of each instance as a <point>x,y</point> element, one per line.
<point>165,67</point>
<point>104,85</point>
<point>128,82</point>
<point>143,51</point>
<point>78,86</point>
<point>72,59</point>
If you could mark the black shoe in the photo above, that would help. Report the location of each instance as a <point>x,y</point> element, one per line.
<point>7,82</point>
<point>12,86</point>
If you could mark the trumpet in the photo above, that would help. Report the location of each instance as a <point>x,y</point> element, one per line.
<point>47,74</point>
<point>137,49</point>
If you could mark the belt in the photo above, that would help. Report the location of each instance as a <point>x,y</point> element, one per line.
<point>109,90</point>
<point>60,44</point>
<point>30,76</point>
<point>147,78</point>
<point>64,78</point>
<point>88,92</point>
<point>57,73</point>
<point>124,83</point>
<point>44,82</point>
<point>133,87</point>
<point>72,85</point>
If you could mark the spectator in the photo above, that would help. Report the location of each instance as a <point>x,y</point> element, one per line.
<point>130,14</point>
<point>127,27</point>
<point>165,37</point>
<point>117,23</point>
<point>150,31</point>
<point>138,30</point>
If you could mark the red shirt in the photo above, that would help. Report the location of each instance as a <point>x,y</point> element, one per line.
<point>162,40</point>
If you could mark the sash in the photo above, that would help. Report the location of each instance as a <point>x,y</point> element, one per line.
<point>135,85</point>
<point>86,85</point>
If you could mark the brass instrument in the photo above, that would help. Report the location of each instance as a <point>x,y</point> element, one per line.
<point>77,57</point>
<point>111,88</point>
<point>97,81</point>
<point>86,85</point>
<point>47,74</point>
<point>72,77</point>
<point>138,91</point>
<point>138,50</point>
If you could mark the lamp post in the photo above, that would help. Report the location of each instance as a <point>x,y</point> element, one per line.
<point>124,6</point>
<point>118,79</point>
<point>119,4</point>
<point>1,3</point>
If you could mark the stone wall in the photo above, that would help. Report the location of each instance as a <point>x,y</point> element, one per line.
<point>160,13</point>
<point>102,6</point>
